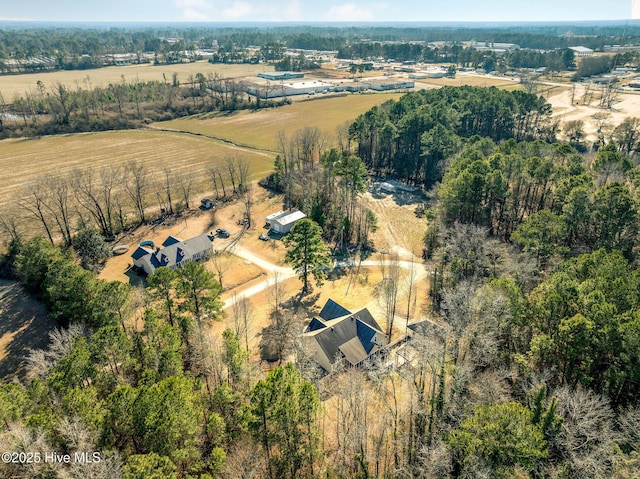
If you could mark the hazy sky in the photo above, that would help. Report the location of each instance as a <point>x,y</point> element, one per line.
<point>316,11</point>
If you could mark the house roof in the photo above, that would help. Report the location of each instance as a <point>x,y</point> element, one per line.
<point>275,215</point>
<point>332,310</point>
<point>353,351</point>
<point>140,252</point>
<point>173,252</point>
<point>316,324</point>
<point>171,240</point>
<point>354,335</point>
<point>426,328</point>
<point>289,218</point>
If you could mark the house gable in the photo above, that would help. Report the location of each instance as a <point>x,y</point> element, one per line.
<point>353,336</point>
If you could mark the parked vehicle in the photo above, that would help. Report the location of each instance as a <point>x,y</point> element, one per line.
<point>222,233</point>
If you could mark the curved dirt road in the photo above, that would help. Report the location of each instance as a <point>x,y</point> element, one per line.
<point>285,272</point>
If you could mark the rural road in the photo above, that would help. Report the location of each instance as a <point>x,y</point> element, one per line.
<point>285,272</point>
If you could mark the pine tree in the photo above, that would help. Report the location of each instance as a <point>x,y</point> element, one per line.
<point>306,253</point>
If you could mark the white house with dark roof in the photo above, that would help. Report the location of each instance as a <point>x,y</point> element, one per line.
<point>173,254</point>
<point>338,333</point>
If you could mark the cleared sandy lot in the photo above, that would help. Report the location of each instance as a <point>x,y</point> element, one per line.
<point>564,110</point>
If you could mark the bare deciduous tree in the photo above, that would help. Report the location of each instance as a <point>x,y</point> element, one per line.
<point>586,441</point>
<point>167,183</point>
<point>59,194</point>
<point>232,170</point>
<point>34,202</point>
<point>40,362</point>
<point>247,201</point>
<point>10,226</point>
<point>136,183</point>
<point>185,185</point>
<point>97,197</point>
<point>242,167</point>
<point>213,175</point>
<point>241,318</point>
<point>243,462</point>
<point>389,290</point>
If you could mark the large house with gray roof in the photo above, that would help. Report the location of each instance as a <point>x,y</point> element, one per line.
<point>337,333</point>
<point>173,254</point>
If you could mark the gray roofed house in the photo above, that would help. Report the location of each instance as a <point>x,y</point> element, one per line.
<point>339,333</point>
<point>174,254</point>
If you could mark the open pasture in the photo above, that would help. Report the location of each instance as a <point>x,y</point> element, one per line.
<point>25,160</point>
<point>10,85</point>
<point>471,80</point>
<point>260,128</point>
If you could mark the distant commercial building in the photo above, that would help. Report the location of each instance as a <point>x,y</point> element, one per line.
<point>389,85</point>
<point>582,51</point>
<point>277,76</point>
<point>497,47</point>
<point>288,89</point>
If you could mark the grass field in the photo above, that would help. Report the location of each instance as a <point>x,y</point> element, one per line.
<point>24,160</point>
<point>11,85</point>
<point>260,128</point>
<point>471,80</point>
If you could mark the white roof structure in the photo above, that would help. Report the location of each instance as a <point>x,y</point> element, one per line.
<point>308,84</point>
<point>581,49</point>
<point>288,218</point>
<point>273,216</point>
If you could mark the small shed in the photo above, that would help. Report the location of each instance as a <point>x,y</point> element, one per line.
<point>282,224</point>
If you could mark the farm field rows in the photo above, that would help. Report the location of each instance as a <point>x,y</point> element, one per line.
<point>260,128</point>
<point>25,160</point>
<point>11,85</point>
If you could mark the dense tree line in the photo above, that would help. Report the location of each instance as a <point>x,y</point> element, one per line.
<point>555,60</point>
<point>465,56</point>
<point>591,66</point>
<point>78,48</point>
<point>92,40</point>
<point>544,197</point>
<point>325,183</point>
<point>411,137</point>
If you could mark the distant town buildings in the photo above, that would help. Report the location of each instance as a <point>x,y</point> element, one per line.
<point>496,47</point>
<point>582,51</point>
<point>279,76</point>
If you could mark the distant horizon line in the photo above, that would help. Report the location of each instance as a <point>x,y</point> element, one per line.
<point>325,23</point>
